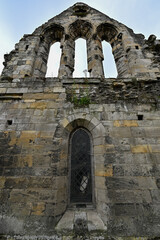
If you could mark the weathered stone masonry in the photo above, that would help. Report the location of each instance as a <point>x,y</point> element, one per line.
<point>39,115</point>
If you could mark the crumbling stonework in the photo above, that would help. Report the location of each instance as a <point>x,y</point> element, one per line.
<point>39,116</point>
<point>134,56</point>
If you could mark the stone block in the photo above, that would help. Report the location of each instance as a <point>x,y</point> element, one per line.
<point>154,123</point>
<point>38,182</point>
<point>38,160</point>
<point>141,149</point>
<point>17,90</point>
<point>125,123</point>
<point>102,196</point>
<point>152,115</point>
<point>21,196</point>
<point>155,194</point>
<point>3,90</point>
<point>66,221</point>
<point>119,170</point>
<point>98,141</point>
<point>11,225</point>
<point>122,132</point>
<point>152,132</point>
<point>21,209</point>
<point>2,182</point>
<point>129,196</point>
<point>16,182</point>
<point>40,96</point>
<point>38,105</point>
<point>38,208</point>
<point>139,170</point>
<point>59,90</point>
<point>96,107</point>
<point>100,182</point>
<point>95,223</point>
<point>108,158</point>
<point>109,107</point>
<point>122,225</point>
<point>99,159</point>
<point>155,148</point>
<point>99,149</point>
<point>98,131</point>
<point>107,171</point>
<point>46,127</point>
<point>65,122</point>
<point>138,132</point>
<point>24,161</point>
<point>93,123</point>
<point>109,148</point>
<point>131,183</point>
<point>60,208</point>
<point>125,209</point>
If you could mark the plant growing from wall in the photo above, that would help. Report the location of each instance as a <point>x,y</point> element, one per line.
<point>82,98</point>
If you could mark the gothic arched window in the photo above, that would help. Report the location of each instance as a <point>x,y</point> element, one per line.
<point>81,171</point>
<point>80,59</point>
<point>53,60</point>
<point>109,64</point>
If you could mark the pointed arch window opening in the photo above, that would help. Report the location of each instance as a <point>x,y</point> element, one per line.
<point>109,65</point>
<point>81,168</point>
<point>53,62</point>
<point>80,63</point>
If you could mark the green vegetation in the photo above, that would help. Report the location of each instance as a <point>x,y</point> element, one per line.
<point>82,98</point>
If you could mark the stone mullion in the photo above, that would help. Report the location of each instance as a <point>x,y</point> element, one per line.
<point>67,58</point>
<point>95,57</point>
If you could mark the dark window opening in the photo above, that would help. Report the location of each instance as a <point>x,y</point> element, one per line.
<point>80,11</point>
<point>136,47</point>
<point>140,117</point>
<point>81,174</point>
<point>128,49</point>
<point>119,36</point>
<point>9,122</point>
<point>27,46</point>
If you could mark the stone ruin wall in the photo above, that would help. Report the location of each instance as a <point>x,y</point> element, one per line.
<point>134,56</point>
<point>39,114</point>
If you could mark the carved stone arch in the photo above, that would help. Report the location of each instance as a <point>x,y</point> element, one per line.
<point>77,29</point>
<point>97,132</point>
<point>80,29</point>
<point>51,34</point>
<point>107,31</point>
<point>113,35</point>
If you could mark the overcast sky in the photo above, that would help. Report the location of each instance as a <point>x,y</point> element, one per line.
<point>19,17</point>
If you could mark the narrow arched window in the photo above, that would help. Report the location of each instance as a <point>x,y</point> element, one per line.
<point>53,60</point>
<point>80,69</point>
<point>81,173</point>
<point>109,64</point>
